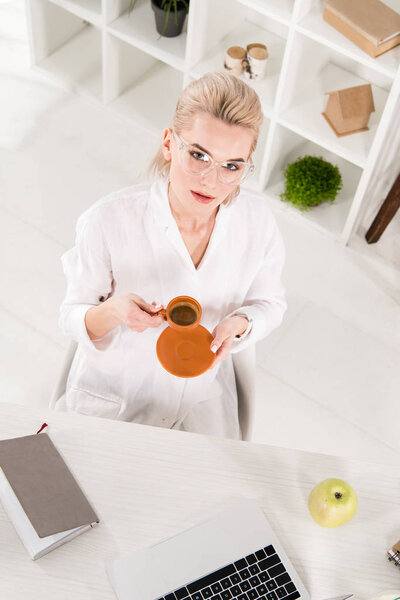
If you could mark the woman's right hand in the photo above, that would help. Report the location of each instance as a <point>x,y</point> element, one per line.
<point>128,309</point>
<point>134,312</point>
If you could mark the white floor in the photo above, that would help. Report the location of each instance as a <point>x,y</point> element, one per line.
<point>328,378</point>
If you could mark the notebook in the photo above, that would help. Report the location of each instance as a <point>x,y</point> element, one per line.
<point>371,18</point>
<point>40,495</point>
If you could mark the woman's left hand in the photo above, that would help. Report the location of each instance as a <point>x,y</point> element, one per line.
<point>224,334</point>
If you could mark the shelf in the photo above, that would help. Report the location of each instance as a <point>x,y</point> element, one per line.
<point>305,97</point>
<point>89,10</point>
<point>78,63</point>
<point>281,10</point>
<point>314,26</point>
<point>242,35</point>
<point>139,29</point>
<point>306,119</point>
<point>142,99</point>
<point>330,218</point>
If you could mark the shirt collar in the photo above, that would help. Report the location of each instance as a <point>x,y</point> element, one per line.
<point>160,204</point>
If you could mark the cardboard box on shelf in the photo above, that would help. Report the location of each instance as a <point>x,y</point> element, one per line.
<point>370,24</point>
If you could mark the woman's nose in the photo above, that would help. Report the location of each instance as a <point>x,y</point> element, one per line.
<point>210,179</point>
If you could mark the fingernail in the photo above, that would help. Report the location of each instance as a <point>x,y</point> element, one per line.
<point>214,348</point>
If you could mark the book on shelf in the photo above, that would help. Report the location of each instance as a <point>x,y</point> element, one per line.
<point>370,24</point>
<point>40,495</point>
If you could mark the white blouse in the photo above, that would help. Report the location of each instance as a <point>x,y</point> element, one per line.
<point>129,241</point>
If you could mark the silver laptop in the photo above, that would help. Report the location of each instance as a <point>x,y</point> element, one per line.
<point>233,555</point>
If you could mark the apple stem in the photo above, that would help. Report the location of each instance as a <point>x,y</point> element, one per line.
<point>338,495</point>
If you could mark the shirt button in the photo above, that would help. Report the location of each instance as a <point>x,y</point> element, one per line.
<point>165,420</point>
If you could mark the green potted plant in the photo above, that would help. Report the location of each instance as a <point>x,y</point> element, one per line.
<point>309,181</point>
<point>165,25</point>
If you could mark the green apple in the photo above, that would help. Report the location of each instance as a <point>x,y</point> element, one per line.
<point>332,502</point>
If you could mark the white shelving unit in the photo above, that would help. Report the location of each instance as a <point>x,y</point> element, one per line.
<point>94,48</point>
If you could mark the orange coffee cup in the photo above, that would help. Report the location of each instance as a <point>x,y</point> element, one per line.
<point>182,313</point>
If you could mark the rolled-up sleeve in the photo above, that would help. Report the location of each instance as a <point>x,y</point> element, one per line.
<point>265,301</point>
<point>87,268</point>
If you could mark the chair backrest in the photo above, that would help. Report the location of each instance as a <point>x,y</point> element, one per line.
<point>57,398</point>
<point>244,365</point>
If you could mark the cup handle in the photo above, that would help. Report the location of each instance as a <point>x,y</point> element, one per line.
<point>163,313</point>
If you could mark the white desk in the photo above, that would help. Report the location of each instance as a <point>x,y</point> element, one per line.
<point>148,483</point>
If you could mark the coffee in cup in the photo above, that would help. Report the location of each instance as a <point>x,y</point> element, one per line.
<point>182,312</point>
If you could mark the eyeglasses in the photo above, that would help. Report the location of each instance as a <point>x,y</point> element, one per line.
<point>197,162</point>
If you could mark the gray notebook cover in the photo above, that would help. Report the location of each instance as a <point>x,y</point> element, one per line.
<point>44,486</point>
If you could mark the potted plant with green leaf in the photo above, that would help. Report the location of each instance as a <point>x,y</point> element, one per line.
<point>167,25</point>
<point>309,181</point>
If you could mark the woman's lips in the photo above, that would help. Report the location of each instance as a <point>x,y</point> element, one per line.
<point>201,198</point>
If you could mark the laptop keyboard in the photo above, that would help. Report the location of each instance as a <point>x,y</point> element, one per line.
<point>258,576</point>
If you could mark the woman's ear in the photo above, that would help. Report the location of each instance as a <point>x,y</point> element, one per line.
<point>166,144</point>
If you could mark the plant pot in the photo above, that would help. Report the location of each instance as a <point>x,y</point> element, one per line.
<point>172,29</point>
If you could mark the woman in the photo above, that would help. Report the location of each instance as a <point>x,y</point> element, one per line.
<point>191,232</point>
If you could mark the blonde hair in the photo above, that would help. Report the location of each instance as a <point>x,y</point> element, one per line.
<point>220,95</point>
